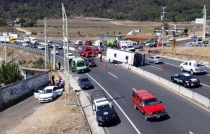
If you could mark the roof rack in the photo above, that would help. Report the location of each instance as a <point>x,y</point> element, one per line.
<point>98,94</point>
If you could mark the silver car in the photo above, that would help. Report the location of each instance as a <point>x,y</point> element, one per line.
<point>155,59</point>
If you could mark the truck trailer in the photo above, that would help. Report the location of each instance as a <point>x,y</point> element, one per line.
<point>130,58</point>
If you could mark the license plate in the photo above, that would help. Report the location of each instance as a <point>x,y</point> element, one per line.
<point>158,116</point>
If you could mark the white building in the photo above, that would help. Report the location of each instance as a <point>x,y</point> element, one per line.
<point>200,21</point>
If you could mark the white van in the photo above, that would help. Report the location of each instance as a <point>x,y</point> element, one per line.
<point>98,43</point>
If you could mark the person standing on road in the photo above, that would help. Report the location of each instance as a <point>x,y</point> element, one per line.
<point>53,80</point>
<point>59,65</point>
<point>100,58</point>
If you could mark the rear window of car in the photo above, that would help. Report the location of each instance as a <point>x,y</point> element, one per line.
<point>157,57</point>
<point>199,40</point>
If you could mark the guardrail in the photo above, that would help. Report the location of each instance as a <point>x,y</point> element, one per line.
<point>179,89</point>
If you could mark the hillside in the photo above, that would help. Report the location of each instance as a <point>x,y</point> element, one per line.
<point>140,10</point>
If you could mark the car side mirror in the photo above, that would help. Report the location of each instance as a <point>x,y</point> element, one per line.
<point>160,101</point>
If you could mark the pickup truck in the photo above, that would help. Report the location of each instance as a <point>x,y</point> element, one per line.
<point>48,94</point>
<point>192,66</point>
<point>197,42</point>
<point>86,52</point>
<point>102,108</point>
<point>148,104</point>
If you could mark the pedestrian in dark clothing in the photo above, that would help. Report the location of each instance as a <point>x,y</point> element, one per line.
<point>53,79</point>
<point>59,65</point>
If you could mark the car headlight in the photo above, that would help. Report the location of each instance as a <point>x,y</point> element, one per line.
<point>163,111</point>
<point>149,113</point>
<point>100,118</point>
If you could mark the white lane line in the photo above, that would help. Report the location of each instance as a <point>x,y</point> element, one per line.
<point>171,64</point>
<point>205,85</point>
<point>156,67</point>
<point>134,89</point>
<point>120,97</point>
<point>190,132</point>
<point>112,74</point>
<point>116,104</point>
<point>208,74</point>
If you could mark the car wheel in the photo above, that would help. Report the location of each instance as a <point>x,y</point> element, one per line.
<point>185,85</point>
<point>182,69</point>
<point>53,98</point>
<point>145,117</point>
<point>172,80</point>
<point>191,72</point>
<point>134,106</point>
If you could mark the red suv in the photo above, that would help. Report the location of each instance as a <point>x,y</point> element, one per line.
<point>148,104</point>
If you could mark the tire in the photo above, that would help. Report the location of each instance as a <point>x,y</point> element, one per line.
<point>185,85</point>
<point>53,98</point>
<point>172,80</point>
<point>191,72</point>
<point>134,106</point>
<point>182,69</point>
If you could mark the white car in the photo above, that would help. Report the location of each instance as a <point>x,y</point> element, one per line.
<point>49,41</point>
<point>172,39</point>
<point>25,44</point>
<point>193,36</point>
<point>155,59</point>
<point>41,47</point>
<point>70,56</point>
<point>56,52</point>
<point>48,94</point>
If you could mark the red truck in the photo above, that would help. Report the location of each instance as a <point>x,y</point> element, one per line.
<point>88,43</point>
<point>87,51</point>
<point>148,104</point>
<point>160,44</point>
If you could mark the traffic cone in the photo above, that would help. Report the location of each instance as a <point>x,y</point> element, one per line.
<point>104,65</point>
<point>163,67</point>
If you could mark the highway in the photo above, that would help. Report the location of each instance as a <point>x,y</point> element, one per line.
<point>184,117</point>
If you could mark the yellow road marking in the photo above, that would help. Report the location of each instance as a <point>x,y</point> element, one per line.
<point>208,110</point>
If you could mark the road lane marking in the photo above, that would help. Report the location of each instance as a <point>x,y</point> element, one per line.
<point>205,85</point>
<point>120,97</point>
<point>116,104</point>
<point>190,132</point>
<point>171,64</point>
<point>134,89</point>
<point>112,74</point>
<point>156,67</point>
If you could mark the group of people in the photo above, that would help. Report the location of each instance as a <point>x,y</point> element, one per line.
<point>58,83</point>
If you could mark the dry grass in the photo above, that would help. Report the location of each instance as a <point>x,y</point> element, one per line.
<point>200,54</point>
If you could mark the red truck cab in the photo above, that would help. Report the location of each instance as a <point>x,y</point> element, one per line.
<point>148,104</point>
<point>96,51</point>
<point>87,51</point>
<point>88,43</point>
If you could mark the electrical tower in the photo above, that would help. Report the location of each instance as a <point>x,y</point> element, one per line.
<point>204,23</point>
<point>162,19</point>
<point>66,47</point>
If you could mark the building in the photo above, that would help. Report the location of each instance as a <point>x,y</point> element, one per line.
<point>200,21</point>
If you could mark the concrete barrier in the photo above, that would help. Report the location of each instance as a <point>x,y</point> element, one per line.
<point>147,74</point>
<point>201,99</point>
<point>174,86</point>
<point>154,77</point>
<point>140,71</point>
<point>164,82</point>
<point>186,92</point>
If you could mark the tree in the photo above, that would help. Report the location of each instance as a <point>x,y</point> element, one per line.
<point>119,33</point>
<point>39,63</point>
<point>10,73</point>
<point>2,22</point>
<point>166,26</point>
<point>185,31</point>
<point>22,21</point>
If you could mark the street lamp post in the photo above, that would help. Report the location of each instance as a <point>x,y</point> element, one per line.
<point>5,48</point>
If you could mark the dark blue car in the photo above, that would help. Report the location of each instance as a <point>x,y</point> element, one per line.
<point>84,83</point>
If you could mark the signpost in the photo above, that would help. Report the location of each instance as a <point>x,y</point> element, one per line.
<point>102,37</point>
<point>174,43</point>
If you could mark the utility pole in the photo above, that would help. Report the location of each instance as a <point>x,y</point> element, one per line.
<point>204,23</point>
<point>45,37</point>
<point>65,46</point>
<point>162,19</point>
<point>5,48</point>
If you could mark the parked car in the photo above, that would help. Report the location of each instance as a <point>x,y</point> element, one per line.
<point>193,36</point>
<point>172,38</point>
<point>70,56</point>
<point>185,79</point>
<point>155,59</point>
<point>48,94</point>
<point>84,83</point>
<point>90,62</point>
<point>148,104</point>
<point>41,47</point>
<point>25,44</point>
<point>197,42</point>
<point>56,52</point>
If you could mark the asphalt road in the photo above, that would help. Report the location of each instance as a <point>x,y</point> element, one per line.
<point>183,116</point>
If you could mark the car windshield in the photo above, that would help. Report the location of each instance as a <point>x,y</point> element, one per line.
<point>80,64</point>
<point>103,107</point>
<point>84,80</point>
<point>71,54</point>
<point>150,101</point>
<point>46,91</point>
